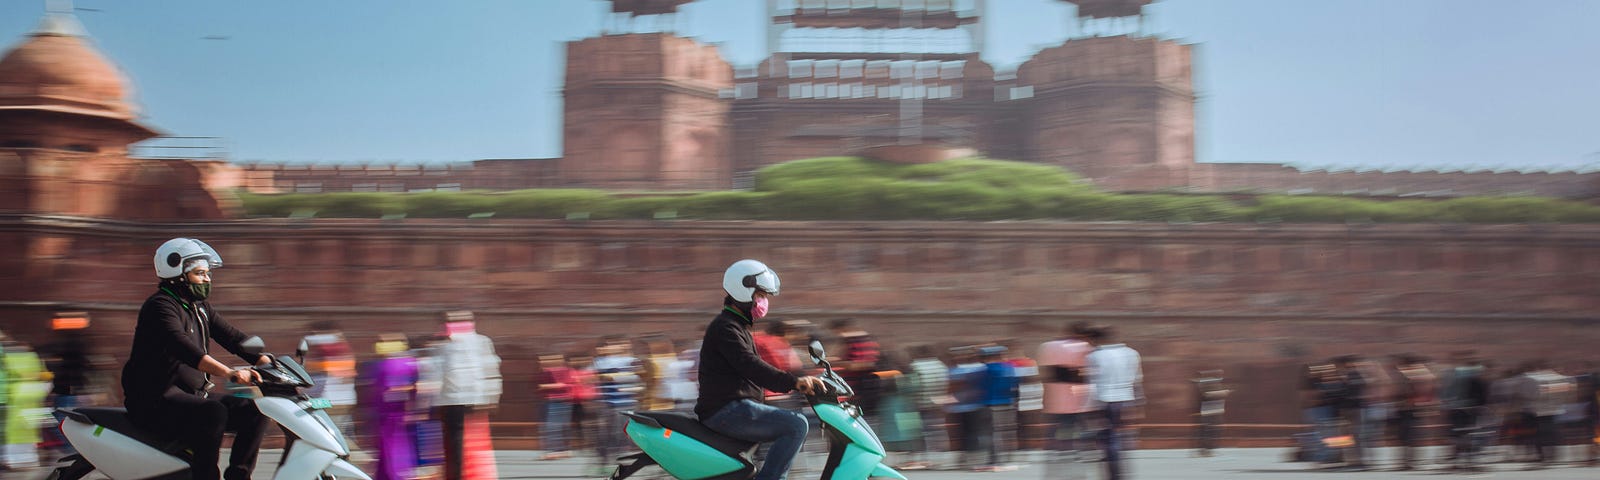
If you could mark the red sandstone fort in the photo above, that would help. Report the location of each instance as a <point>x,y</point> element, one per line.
<point>656,111</point>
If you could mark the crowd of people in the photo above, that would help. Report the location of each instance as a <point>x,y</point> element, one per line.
<point>920,400</point>
<point>1519,413</point>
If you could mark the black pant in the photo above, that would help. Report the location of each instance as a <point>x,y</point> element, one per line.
<point>1210,429</point>
<point>453,418</point>
<point>1406,426</point>
<point>199,423</point>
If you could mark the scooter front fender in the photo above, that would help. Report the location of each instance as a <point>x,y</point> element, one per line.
<point>858,463</point>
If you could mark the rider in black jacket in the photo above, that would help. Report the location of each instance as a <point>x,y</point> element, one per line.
<point>732,374</point>
<point>166,381</point>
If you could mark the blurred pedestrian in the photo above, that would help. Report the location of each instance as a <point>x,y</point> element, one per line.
<point>1118,380</point>
<point>1029,396</point>
<point>585,400</point>
<point>5,397</point>
<point>617,373</point>
<point>898,423</point>
<point>1377,405</point>
<point>470,387</point>
<point>972,418</point>
<point>931,394</point>
<point>999,397</point>
<point>1417,400</point>
<point>429,430</point>
<point>857,362</point>
<point>67,358</point>
<point>394,388</point>
<point>1464,398</point>
<point>555,387</point>
<point>26,388</point>
<point>332,365</point>
<point>1588,429</point>
<point>1211,395</point>
<point>1545,396</point>
<point>1351,407</point>
<point>680,381</point>
<point>656,359</point>
<point>1067,395</point>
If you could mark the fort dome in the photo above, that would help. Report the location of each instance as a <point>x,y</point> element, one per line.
<point>57,69</point>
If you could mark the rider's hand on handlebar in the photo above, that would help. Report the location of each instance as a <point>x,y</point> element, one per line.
<point>244,376</point>
<point>809,385</point>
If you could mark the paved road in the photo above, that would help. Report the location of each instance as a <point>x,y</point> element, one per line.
<point>1229,464</point>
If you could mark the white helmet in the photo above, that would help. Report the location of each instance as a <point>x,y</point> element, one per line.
<point>171,256</point>
<point>745,276</point>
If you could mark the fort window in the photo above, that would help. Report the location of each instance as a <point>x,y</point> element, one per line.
<point>799,68</point>
<point>827,69</point>
<point>952,70</point>
<point>851,68</point>
<point>878,69</point>
<point>901,69</point>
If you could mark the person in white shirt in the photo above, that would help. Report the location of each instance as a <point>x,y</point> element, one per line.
<point>469,375</point>
<point>1118,381</point>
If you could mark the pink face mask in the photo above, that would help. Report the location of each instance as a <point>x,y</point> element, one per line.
<point>759,309</point>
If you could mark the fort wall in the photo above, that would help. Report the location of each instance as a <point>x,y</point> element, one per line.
<point>1257,300</point>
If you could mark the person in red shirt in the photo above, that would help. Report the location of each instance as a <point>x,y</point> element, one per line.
<point>556,383</point>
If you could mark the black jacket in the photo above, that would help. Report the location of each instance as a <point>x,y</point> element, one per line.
<point>730,370</point>
<point>167,345</point>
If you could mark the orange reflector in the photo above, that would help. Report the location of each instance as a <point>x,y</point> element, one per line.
<point>69,323</point>
<point>668,434</point>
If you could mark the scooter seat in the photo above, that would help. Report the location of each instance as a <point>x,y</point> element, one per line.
<point>688,424</point>
<point>116,419</point>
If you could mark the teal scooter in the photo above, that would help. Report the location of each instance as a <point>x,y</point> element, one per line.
<point>687,450</point>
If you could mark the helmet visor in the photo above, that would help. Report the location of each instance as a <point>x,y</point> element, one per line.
<point>215,258</point>
<point>767,281</point>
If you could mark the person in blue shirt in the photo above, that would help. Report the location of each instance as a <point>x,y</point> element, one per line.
<point>966,387</point>
<point>999,396</point>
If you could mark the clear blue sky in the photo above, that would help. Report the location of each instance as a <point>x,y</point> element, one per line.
<point>1343,82</point>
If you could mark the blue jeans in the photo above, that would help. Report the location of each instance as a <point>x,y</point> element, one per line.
<point>1111,438</point>
<point>557,420</point>
<point>754,422</point>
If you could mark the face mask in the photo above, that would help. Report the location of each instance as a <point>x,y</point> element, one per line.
<point>759,309</point>
<point>200,290</point>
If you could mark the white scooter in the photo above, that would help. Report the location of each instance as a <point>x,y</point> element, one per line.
<point>107,442</point>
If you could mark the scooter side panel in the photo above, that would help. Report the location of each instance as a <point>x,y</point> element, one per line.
<point>304,461</point>
<point>305,425</point>
<point>853,428</point>
<point>117,455</point>
<point>681,455</point>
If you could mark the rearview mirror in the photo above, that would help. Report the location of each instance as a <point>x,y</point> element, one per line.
<point>300,351</point>
<point>816,352</point>
<point>253,346</point>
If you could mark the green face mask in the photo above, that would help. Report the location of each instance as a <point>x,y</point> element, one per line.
<point>200,291</point>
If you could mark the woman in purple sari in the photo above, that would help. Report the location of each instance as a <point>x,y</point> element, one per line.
<point>394,383</point>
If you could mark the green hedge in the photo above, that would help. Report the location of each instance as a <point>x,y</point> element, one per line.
<point>846,188</point>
